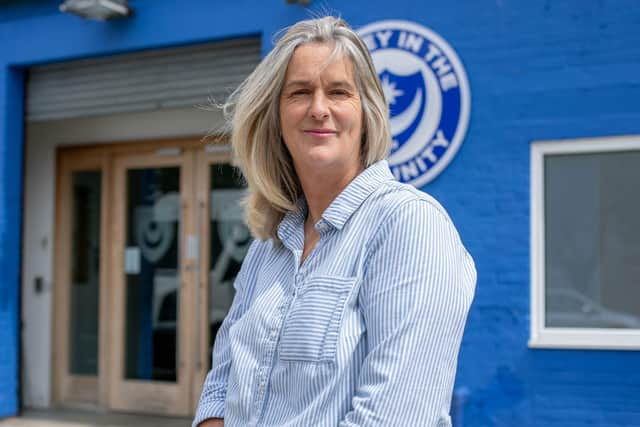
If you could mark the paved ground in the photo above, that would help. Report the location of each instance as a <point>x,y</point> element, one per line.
<point>75,418</point>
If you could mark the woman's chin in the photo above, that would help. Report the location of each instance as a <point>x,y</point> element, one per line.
<point>320,157</point>
<point>323,162</point>
<point>325,159</point>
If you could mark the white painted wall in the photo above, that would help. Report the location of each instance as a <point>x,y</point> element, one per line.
<point>40,176</point>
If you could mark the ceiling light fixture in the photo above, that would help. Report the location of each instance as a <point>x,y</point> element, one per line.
<point>97,9</point>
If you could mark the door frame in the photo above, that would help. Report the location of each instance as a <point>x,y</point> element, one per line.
<point>98,391</point>
<point>215,153</point>
<point>171,398</point>
<point>66,387</point>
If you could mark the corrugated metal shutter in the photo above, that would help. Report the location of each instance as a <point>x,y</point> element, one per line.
<point>142,81</point>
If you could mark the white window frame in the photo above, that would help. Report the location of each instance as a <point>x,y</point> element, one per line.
<point>569,338</point>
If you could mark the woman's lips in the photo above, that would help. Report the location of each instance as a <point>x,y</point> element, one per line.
<point>320,132</point>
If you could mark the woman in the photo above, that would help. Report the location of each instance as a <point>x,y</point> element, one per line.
<point>351,303</point>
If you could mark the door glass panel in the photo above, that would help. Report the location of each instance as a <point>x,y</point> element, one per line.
<point>229,241</point>
<point>152,271</point>
<point>85,273</point>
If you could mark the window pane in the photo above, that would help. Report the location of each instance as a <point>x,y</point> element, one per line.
<point>152,272</point>
<point>85,273</point>
<point>229,239</point>
<point>592,230</point>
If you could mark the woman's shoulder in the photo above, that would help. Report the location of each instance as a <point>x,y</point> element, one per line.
<point>258,249</point>
<point>408,216</point>
<point>256,252</point>
<point>395,199</point>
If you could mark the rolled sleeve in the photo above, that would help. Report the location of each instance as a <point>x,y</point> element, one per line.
<point>417,289</point>
<point>211,405</point>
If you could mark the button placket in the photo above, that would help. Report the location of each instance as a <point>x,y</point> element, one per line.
<point>265,368</point>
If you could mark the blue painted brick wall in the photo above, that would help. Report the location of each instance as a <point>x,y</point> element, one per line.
<point>10,201</point>
<point>537,69</point>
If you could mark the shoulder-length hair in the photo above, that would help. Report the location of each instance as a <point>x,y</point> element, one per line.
<point>252,111</point>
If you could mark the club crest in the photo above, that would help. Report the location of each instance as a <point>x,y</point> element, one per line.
<point>428,94</point>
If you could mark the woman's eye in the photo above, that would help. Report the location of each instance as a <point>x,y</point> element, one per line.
<point>339,92</point>
<point>300,92</point>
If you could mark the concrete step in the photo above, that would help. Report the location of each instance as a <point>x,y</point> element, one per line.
<point>81,418</point>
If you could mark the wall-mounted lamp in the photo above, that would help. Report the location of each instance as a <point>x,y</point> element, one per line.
<point>97,9</point>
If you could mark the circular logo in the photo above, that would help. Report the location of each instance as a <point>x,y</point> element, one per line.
<point>428,94</point>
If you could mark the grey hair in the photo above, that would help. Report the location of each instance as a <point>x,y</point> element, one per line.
<point>252,111</point>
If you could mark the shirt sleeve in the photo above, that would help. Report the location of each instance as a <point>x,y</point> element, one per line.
<point>417,288</point>
<point>214,391</point>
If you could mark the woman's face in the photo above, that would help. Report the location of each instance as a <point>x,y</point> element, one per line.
<point>321,112</point>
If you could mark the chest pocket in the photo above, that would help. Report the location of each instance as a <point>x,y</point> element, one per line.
<point>312,327</point>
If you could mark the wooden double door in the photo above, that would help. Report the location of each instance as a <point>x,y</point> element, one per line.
<point>149,239</point>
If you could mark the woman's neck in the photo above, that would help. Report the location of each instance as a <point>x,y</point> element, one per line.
<point>321,188</point>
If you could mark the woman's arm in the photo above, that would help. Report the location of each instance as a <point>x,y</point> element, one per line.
<point>214,391</point>
<point>416,292</point>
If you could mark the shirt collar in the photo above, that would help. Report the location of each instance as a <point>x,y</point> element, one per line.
<point>342,207</point>
<point>352,197</point>
<point>293,222</point>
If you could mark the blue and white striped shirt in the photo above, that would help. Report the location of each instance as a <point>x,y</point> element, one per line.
<point>365,332</point>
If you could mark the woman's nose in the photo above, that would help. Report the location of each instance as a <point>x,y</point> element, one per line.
<point>319,109</point>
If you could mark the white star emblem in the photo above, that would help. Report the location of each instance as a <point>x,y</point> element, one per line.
<point>390,91</point>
